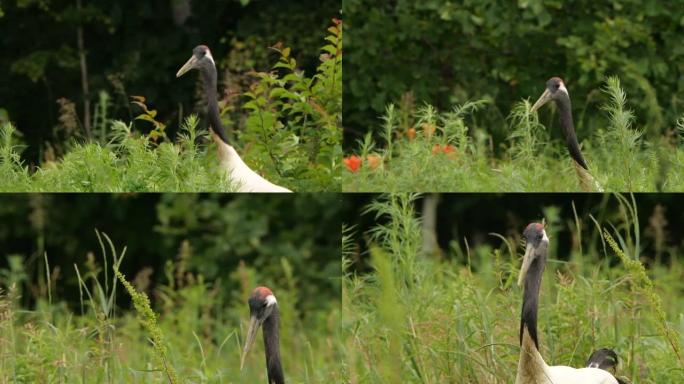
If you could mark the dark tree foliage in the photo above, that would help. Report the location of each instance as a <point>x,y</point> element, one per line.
<point>447,52</point>
<point>272,235</point>
<point>135,48</point>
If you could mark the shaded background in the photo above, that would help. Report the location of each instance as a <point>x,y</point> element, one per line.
<point>273,239</point>
<point>474,216</point>
<point>447,52</point>
<point>135,48</point>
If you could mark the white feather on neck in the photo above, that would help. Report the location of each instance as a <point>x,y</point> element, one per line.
<point>531,366</point>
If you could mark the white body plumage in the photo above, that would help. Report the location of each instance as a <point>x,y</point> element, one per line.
<point>239,173</point>
<point>532,369</point>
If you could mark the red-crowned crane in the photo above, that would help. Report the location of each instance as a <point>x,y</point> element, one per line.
<point>556,91</point>
<point>239,173</point>
<point>263,310</point>
<point>532,369</point>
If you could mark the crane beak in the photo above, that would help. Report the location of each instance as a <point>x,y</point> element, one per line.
<point>527,261</point>
<point>190,64</point>
<point>254,325</point>
<point>543,99</point>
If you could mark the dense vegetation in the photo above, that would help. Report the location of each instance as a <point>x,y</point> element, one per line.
<point>280,97</point>
<point>473,63</point>
<point>65,317</point>
<point>423,149</point>
<point>453,315</point>
<point>135,48</point>
<point>447,53</point>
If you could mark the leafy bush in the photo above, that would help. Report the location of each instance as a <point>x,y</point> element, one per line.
<point>295,121</point>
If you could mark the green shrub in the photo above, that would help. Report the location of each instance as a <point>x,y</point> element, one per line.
<point>294,121</point>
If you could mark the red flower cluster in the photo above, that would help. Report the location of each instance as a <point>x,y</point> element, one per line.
<point>354,163</point>
<point>448,149</point>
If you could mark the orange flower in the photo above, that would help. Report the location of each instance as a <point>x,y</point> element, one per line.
<point>428,130</point>
<point>448,149</point>
<point>374,161</point>
<point>411,133</point>
<point>353,163</point>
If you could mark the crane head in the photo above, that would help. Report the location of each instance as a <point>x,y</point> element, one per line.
<point>261,305</point>
<point>603,358</point>
<point>555,89</point>
<point>201,58</point>
<point>536,243</point>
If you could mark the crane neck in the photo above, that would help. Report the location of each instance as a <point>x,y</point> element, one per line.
<point>530,306</point>
<point>209,76</point>
<point>271,331</point>
<point>565,111</point>
<point>531,366</point>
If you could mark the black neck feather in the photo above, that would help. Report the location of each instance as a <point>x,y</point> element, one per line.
<point>209,77</point>
<point>272,346</point>
<point>569,130</point>
<point>528,318</point>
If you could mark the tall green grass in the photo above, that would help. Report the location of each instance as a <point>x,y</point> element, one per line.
<point>417,318</point>
<point>129,162</point>
<point>412,157</point>
<point>190,330</point>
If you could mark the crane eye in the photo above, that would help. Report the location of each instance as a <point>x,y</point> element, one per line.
<point>539,236</point>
